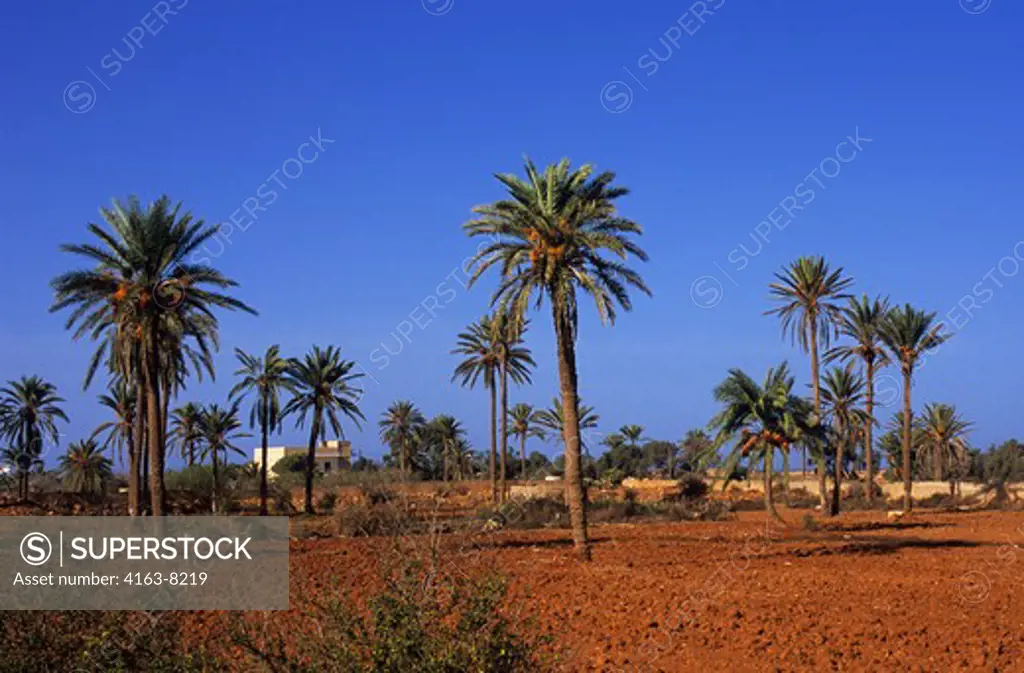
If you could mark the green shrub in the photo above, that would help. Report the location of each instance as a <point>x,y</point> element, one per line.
<point>97,641</point>
<point>417,624</point>
<point>692,486</point>
<point>356,520</point>
<point>327,501</point>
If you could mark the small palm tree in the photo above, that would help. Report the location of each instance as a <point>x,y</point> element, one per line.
<point>551,419</point>
<point>559,231</point>
<point>481,365</point>
<point>31,409</point>
<point>267,378</point>
<point>842,395</point>
<point>908,334</point>
<point>121,401</point>
<point>220,430</point>
<point>524,424</point>
<point>187,430</point>
<point>399,426</point>
<point>447,432</point>
<point>943,435</point>
<point>84,469</point>
<point>860,322</point>
<point>760,418</point>
<point>808,292</point>
<point>323,385</point>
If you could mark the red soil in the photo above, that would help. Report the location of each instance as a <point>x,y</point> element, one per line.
<point>935,592</point>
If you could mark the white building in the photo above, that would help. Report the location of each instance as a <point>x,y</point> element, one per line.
<point>335,454</point>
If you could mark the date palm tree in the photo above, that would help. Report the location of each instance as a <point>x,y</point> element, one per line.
<point>84,469</point>
<point>760,419</point>
<point>551,419</point>
<point>524,424</point>
<point>860,322</point>
<point>324,391</point>
<point>907,334</point>
<point>399,426</point>
<point>943,435</point>
<point>514,362</point>
<point>808,293</point>
<point>121,401</point>
<point>144,295</point>
<point>31,409</point>
<point>447,432</point>
<point>220,428</point>
<point>843,393</point>
<point>481,365</point>
<point>549,238</point>
<point>187,430</point>
<point>266,378</point>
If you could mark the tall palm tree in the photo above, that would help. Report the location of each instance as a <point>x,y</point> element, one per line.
<point>908,334</point>
<point>808,293</point>
<point>842,395</point>
<point>760,418</point>
<point>481,365</point>
<point>323,385</point>
<point>187,430</point>
<point>399,426</point>
<point>514,362</point>
<point>31,411</point>
<point>84,469</point>
<point>121,402</point>
<point>943,434</point>
<point>267,377</point>
<point>524,424</point>
<point>548,239</point>
<point>220,428</point>
<point>144,295</point>
<point>860,321</point>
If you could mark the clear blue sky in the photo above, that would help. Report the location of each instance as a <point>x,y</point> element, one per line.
<point>425,100</point>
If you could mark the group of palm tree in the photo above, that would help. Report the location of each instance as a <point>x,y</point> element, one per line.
<point>815,310</point>
<point>148,302</point>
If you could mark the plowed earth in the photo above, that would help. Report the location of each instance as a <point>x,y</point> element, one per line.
<point>935,592</point>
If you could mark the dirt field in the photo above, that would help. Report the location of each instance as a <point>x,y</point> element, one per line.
<point>936,593</point>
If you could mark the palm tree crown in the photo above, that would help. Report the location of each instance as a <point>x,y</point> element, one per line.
<point>548,236</point>
<point>808,292</point>
<point>187,429</point>
<point>267,378</point>
<point>84,469</point>
<point>323,384</point>
<point>399,428</point>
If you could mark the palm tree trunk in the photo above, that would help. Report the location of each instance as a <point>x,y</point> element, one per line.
<point>494,443</point>
<point>575,493</point>
<point>937,462</point>
<point>192,452</point>
<point>522,456</point>
<point>785,469</point>
<point>314,432</point>
<point>816,386</point>
<point>838,475</point>
<point>769,498</point>
<point>504,429</point>
<point>869,478</point>
<point>908,503</point>
<point>216,481</point>
<point>136,450</point>
<point>263,453</point>
<point>158,500</point>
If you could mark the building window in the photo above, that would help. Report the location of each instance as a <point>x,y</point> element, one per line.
<point>327,466</point>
